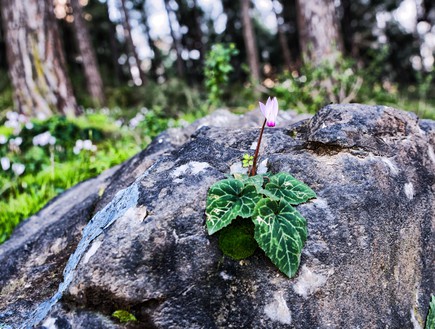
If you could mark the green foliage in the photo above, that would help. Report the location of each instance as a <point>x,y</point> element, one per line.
<point>285,187</point>
<point>248,160</point>
<point>174,97</point>
<point>313,87</point>
<point>82,148</point>
<point>228,199</point>
<point>124,316</point>
<point>316,86</point>
<point>217,69</point>
<point>430,320</point>
<point>279,229</point>
<point>281,232</point>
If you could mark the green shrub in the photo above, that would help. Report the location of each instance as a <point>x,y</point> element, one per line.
<point>217,69</point>
<point>55,154</point>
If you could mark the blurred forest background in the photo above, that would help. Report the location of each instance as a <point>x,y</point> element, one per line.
<point>86,84</point>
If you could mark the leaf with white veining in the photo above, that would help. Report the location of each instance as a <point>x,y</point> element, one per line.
<point>283,186</point>
<point>281,232</point>
<point>228,199</point>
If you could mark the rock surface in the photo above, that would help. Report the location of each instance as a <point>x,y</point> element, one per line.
<point>141,245</point>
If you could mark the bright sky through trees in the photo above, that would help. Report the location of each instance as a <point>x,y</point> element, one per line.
<point>406,15</point>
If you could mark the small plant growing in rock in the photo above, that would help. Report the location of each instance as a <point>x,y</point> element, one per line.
<point>124,316</point>
<point>251,209</point>
<point>247,161</point>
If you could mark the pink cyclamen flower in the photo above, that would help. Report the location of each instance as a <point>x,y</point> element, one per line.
<point>270,111</point>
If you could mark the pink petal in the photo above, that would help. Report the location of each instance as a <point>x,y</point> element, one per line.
<point>263,108</point>
<point>268,104</point>
<point>274,111</point>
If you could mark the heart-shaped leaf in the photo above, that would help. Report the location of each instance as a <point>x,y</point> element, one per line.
<point>257,181</point>
<point>228,199</point>
<point>281,231</point>
<point>283,186</point>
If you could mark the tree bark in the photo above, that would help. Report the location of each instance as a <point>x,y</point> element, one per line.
<point>156,61</point>
<point>36,60</point>
<point>3,62</point>
<point>89,61</point>
<point>129,40</point>
<point>176,41</point>
<point>283,41</point>
<point>319,35</point>
<point>250,43</point>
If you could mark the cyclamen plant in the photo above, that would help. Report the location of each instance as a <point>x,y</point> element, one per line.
<point>268,200</point>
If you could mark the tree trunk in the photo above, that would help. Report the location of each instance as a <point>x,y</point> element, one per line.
<point>129,40</point>
<point>318,31</point>
<point>283,41</point>
<point>3,62</point>
<point>156,61</point>
<point>189,16</point>
<point>176,41</point>
<point>89,62</point>
<point>250,43</point>
<point>36,61</point>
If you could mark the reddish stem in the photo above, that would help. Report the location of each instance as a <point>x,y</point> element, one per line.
<point>253,170</point>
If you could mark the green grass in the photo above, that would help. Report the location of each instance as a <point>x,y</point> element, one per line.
<point>52,169</point>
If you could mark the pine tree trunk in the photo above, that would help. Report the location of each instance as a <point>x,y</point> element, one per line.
<point>129,40</point>
<point>36,61</point>
<point>156,61</point>
<point>94,82</point>
<point>250,43</point>
<point>176,41</point>
<point>3,62</point>
<point>318,31</point>
<point>283,41</point>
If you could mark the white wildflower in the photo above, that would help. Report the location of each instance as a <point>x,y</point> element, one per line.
<point>84,145</point>
<point>5,163</point>
<point>87,144</point>
<point>12,124</point>
<point>22,118</point>
<point>76,150</point>
<point>18,168</point>
<point>15,142</point>
<point>44,139</point>
<point>3,139</point>
<point>13,116</point>
<point>136,120</point>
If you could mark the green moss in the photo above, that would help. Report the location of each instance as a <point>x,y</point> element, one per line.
<point>124,316</point>
<point>237,240</point>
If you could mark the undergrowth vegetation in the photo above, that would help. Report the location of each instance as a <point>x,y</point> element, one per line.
<point>40,159</point>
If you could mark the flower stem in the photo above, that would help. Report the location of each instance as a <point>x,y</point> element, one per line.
<point>253,170</point>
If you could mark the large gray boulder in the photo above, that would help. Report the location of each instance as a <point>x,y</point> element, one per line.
<point>134,238</point>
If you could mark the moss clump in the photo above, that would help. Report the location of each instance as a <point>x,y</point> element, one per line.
<point>124,316</point>
<point>237,240</point>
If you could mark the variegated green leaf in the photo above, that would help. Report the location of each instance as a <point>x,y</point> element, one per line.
<point>257,180</point>
<point>283,186</point>
<point>430,320</point>
<point>281,231</point>
<point>228,199</point>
